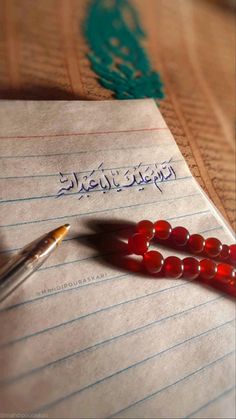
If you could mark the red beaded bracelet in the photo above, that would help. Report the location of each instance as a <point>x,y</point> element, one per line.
<point>189,267</point>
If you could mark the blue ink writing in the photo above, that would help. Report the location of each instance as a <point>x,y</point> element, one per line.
<point>105,180</point>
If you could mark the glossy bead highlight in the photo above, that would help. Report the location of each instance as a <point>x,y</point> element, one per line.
<point>179,236</point>
<point>153,261</point>
<point>208,269</point>
<point>225,272</point>
<point>224,254</point>
<point>196,243</point>
<point>232,253</point>
<point>173,267</point>
<point>138,244</point>
<point>212,247</point>
<point>146,227</point>
<point>191,268</point>
<point>162,229</point>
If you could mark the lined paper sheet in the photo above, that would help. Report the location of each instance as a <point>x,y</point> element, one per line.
<point>89,334</point>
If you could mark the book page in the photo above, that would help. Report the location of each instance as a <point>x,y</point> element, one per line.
<point>90,334</point>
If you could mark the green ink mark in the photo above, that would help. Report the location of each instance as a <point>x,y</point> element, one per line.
<point>114,35</point>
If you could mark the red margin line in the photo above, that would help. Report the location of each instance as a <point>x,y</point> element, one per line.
<point>83,133</point>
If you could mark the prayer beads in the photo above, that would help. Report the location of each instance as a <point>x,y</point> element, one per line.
<point>190,267</point>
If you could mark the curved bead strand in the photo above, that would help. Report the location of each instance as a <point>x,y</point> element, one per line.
<point>188,268</point>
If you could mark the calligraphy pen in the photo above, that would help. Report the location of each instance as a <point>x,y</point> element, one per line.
<point>28,260</point>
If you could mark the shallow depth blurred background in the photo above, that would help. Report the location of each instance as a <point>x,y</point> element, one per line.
<point>191,43</point>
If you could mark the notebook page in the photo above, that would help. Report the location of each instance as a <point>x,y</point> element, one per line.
<point>89,334</point>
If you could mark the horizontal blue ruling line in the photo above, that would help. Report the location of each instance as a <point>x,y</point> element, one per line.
<point>71,289</point>
<point>75,261</point>
<point>84,172</point>
<point>152,395</point>
<point>82,237</point>
<point>9,201</point>
<point>95,312</point>
<point>130,332</point>
<point>62,291</point>
<point>76,392</point>
<point>101,211</point>
<point>220,396</point>
<point>77,288</point>
<point>113,231</point>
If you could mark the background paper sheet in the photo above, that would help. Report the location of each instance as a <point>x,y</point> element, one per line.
<point>89,334</point>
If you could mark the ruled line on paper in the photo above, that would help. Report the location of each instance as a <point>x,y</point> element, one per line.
<point>10,201</point>
<point>211,229</point>
<point>170,385</point>
<point>130,332</point>
<point>193,208</point>
<point>76,392</point>
<point>70,262</point>
<point>106,279</point>
<point>82,172</point>
<point>59,265</point>
<point>101,211</point>
<point>45,296</point>
<point>220,396</point>
<point>75,288</point>
<point>55,266</point>
<point>85,236</point>
<point>84,133</point>
<point>185,284</point>
<point>72,153</point>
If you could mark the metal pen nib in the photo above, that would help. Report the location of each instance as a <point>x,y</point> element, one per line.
<point>29,259</point>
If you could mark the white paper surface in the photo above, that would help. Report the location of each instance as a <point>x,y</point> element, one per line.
<point>85,336</point>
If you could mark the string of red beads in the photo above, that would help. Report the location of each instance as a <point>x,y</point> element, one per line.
<point>189,267</point>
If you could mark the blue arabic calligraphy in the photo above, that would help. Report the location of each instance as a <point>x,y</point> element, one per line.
<point>117,179</point>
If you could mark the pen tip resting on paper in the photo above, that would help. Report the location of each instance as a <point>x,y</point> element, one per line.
<point>59,233</point>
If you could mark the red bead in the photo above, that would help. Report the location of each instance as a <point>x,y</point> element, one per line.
<point>212,247</point>
<point>162,229</point>
<point>232,253</point>
<point>196,243</point>
<point>179,236</point>
<point>146,227</point>
<point>173,267</point>
<point>138,243</point>
<point>153,261</point>
<point>208,268</point>
<point>224,254</point>
<point>191,268</point>
<point>225,272</point>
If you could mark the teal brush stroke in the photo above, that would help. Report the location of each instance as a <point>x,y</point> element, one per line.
<point>114,35</point>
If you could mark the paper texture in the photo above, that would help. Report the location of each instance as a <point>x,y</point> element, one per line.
<point>89,334</point>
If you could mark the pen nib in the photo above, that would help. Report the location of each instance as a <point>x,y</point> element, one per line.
<point>59,233</point>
